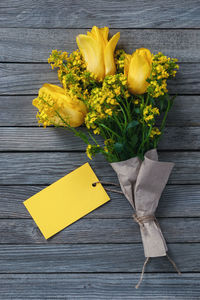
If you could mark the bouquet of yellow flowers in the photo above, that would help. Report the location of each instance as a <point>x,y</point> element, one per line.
<point>123,99</point>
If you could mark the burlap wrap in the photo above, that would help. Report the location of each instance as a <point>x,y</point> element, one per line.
<point>142,182</point>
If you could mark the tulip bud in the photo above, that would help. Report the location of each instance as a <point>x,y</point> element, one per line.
<point>137,69</point>
<point>58,108</point>
<point>98,52</point>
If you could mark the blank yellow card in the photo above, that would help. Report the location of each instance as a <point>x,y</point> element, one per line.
<point>66,200</point>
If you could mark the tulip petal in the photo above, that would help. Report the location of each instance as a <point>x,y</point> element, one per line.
<point>100,35</point>
<point>52,89</point>
<point>95,32</point>
<point>145,52</point>
<point>127,61</point>
<point>71,110</point>
<point>75,118</point>
<point>110,67</point>
<point>92,51</point>
<point>139,71</point>
<point>104,32</point>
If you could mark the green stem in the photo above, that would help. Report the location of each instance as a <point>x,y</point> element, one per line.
<point>142,124</point>
<point>94,140</point>
<point>118,122</point>
<point>165,116</point>
<point>108,129</point>
<point>124,114</point>
<point>147,100</point>
<point>145,140</point>
<point>163,123</point>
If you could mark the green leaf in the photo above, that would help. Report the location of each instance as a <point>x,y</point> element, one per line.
<point>132,124</point>
<point>118,147</point>
<point>137,110</point>
<point>163,104</point>
<point>133,140</point>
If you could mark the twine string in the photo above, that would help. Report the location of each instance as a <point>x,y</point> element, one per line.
<point>145,219</point>
<point>142,273</point>
<point>140,220</point>
<point>173,264</point>
<point>108,189</point>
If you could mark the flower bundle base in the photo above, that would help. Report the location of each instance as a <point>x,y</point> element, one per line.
<point>142,183</point>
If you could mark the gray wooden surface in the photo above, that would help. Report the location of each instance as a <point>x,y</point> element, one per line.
<point>100,256</point>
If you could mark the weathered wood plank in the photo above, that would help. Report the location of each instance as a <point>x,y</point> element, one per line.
<point>185,111</point>
<point>176,201</point>
<point>41,168</point>
<point>45,168</point>
<point>91,231</point>
<point>35,45</point>
<point>18,111</point>
<point>100,286</point>
<point>94,258</point>
<point>24,79</point>
<point>180,138</point>
<point>117,14</point>
<point>59,139</point>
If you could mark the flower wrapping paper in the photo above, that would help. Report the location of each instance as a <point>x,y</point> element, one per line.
<point>142,183</point>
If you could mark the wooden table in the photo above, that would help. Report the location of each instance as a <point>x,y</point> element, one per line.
<point>100,256</point>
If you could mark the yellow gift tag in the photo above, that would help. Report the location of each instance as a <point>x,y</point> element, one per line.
<point>66,200</point>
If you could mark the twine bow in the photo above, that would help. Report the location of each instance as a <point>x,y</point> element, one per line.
<point>141,221</point>
<point>145,219</point>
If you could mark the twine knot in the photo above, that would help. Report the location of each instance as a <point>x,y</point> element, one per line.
<point>143,219</point>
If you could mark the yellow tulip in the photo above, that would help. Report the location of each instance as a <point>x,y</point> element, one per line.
<point>137,68</point>
<point>52,100</point>
<point>98,52</point>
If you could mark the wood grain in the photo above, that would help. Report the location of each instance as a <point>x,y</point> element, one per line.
<point>24,79</point>
<point>46,167</point>
<point>60,139</point>
<point>116,14</point>
<point>100,256</point>
<point>18,111</point>
<point>100,231</point>
<point>94,258</point>
<point>176,201</point>
<point>35,45</point>
<point>31,45</point>
<point>100,286</point>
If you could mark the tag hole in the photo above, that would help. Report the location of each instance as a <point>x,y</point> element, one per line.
<point>94,184</point>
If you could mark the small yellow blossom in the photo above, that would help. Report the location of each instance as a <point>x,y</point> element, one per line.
<point>88,151</point>
<point>91,150</point>
<point>136,101</point>
<point>154,131</point>
<point>119,60</point>
<point>109,111</point>
<point>163,68</point>
<point>106,149</point>
<point>149,113</point>
<point>97,131</point>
